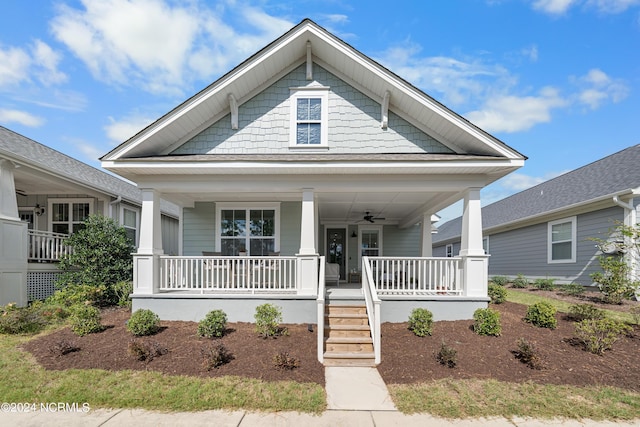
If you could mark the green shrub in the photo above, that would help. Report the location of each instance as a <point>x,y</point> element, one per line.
<point>542,315</point>
<point>520,282</point>
<point>499,280</point>
<point>284,360</point>
<point>574,289</point>
<point>528,354</point>
<point>580,312</point>
<point>85,319</point>
<point>53,313</point>
<point>143,322</point>
<point>214,356</point>
<point>487,322</point>
<point>498,294</point>
<point>101,256</point>
<point>20,320</point>
<point>213,325</point>
<point>74,294</point>
<point>635,314</point>
<point>599,335</point>
<point>146,351</point>
<point>421,322</point>
<point>613,281</point>
<point>268,318</point>
<point>447,356</point>
<point>544,284</point>
<point>122,290</point>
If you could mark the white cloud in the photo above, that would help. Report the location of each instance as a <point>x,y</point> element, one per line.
<point>46,62</point>
<point>14,66</point>
<point>596,87</point>
<point>120,130</point>
<point>612,6</point>
<point>516,182</point>
<point>20,117</point>
<point>553,7</point>
<point>559,7</point>
<point>158,45</point>
<point>510,113</point>
<point>90,152</point>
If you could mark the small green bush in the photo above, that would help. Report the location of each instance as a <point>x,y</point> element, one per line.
<point>421,322</point>
<point>544,284</point>
<point>574,289</point>
<point>85,319</point>
<point>268,318</point>
<point>599,335</point>
<point>122,290</point>
<point>146,351</point>
<point>487,322</point>
<point>499,280</point>
<point>520,282</point>
<point>53,313</point>
<point>613,281</point>
<point>143,322</point>
<point>20,320</point>
<point>542,315</point>
<point>497,293</point>
<point>635,314</point>
<point>580,312</point>
<point>447,356</point>
<point>213,325</point>
<point>79,294</point>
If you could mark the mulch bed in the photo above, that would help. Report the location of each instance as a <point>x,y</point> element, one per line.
<point>405,357</point>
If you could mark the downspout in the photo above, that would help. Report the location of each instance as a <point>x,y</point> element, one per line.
<point>112,203</point>
<point>629,221</point>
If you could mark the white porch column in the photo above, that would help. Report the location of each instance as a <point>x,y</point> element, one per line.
<point>308,253</point>
<point>427,238</point>
<point>146,261</point>
<point>13,241</point>
<point>475,266</point>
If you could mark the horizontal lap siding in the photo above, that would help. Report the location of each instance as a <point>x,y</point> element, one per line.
<point>199,229</point>
<point>290,214</point>
<point>401,242</point>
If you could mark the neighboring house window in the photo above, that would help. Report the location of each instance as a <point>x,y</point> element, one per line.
<point>485,244</point>
<point>28,217</point>
<point>449,251</point>
<point>309,117</point>
<point>248,231</point>
<point>129,221</point>
<point>68,216</point>
<point>562,241</point>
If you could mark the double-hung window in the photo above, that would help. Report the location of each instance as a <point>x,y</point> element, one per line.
<point>68,215</point>
<point>561,241</point>
<point>248,231</point>
<point>129,221</point>
<point>309,117</point>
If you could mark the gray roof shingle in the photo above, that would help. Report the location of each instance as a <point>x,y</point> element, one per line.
<point>608,176</point>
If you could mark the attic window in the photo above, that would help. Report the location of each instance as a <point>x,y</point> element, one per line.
<point>309,118</point>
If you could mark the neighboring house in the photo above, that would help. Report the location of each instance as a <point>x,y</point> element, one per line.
<point>46,195</point>
<point>545,231</point>
<point>309,151</point>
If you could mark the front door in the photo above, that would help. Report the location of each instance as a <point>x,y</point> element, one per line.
<point>336,248</point>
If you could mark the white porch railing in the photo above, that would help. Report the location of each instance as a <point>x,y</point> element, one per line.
<point>228,274</point>
<point>45,246</point>
<point>416,276</point>
<point>320,307</point>
<point>373,308</point>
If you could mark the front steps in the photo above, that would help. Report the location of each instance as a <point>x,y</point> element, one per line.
<point>348,339</point>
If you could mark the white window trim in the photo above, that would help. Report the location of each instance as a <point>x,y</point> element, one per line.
<point>448,251</point>
<point>485,245</point>
<point>574,229</point>
<point>321,92</point>
<point>248,206</point>
<point>121,220</point>
<point>361,229</point>
<point>50,203</point>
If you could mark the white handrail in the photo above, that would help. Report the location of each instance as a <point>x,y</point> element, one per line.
<point>373,308</point>
<point>321,308</point>
<point>47,246</point>
<point>417,276</point>
<point>228,274</point>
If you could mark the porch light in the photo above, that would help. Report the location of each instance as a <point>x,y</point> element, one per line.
<point>38,210</point>
<point>353,234</point>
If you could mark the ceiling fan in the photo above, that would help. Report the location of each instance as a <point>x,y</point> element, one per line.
<point>370,218</point>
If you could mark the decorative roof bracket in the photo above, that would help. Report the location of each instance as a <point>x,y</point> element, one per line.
<point>309,62</point>
<point>233,106</point>
<point>385,110</point>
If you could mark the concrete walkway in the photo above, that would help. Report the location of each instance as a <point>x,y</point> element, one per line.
<point>359,389</point>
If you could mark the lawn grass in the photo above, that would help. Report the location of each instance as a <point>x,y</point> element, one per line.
<point>22,380</point>
<point>527,298</point>
<point>450,398</point>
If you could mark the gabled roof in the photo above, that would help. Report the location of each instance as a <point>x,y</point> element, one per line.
<point>25,151</point>
<point>617,174</point>
<point>337,57</point>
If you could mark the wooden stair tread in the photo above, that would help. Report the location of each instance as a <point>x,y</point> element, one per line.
<point>342,327</point>
<point>348,340</point>
<point>337,355</point>
<point>347,315</point>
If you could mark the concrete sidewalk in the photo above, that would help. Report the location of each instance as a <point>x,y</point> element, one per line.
<point>331,418</point>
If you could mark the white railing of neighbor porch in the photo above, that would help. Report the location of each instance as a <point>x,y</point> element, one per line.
<point>373,308</point>
<point>45,246</point>
<point>416,276</point>
<point>228,274</point>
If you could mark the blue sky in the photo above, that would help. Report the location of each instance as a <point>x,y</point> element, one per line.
<point>558,80</point>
